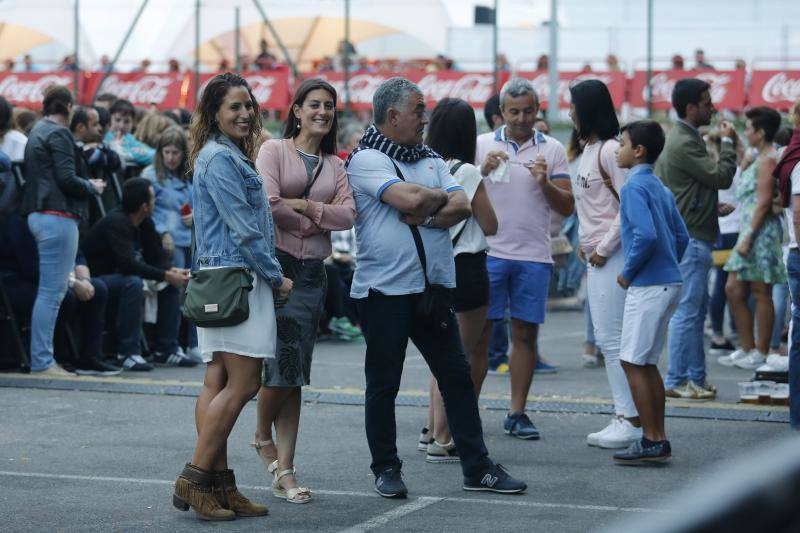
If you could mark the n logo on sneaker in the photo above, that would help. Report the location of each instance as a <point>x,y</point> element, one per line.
<point>489,480</point>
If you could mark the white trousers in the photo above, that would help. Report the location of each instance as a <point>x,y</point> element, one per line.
<point>607,304</point>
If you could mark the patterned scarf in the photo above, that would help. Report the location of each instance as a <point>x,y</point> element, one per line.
<point>375,140</point>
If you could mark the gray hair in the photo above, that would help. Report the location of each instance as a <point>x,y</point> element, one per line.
<point>516,87</point>
<point>394,92</point>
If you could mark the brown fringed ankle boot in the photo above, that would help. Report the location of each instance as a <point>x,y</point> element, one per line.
<point>229,497</point>
<point>194,488</point>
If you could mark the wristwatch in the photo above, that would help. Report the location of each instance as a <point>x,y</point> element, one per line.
<point>429,220</point>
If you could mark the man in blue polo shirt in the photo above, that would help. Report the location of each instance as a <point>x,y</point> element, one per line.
<point>400,184</point>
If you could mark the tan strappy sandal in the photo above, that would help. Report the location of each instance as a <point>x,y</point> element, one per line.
<point>293,495</point>
<point>271,464</point>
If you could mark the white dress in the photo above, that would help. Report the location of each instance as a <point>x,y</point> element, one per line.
<point>255,337</point>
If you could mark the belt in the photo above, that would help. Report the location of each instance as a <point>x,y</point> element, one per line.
<point>62,214</point>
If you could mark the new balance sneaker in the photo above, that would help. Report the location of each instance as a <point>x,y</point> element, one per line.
<point>425,438</point>
<point>731,358</point>
<point>775,363</point>
<point>520,426</point>
<point>753,360</point>
<point>690,391</point>
<point>499,365</point>
<point>193,353</point>
<point>543,367</point>
<point>54,370</point>
<point>173,359</point>
<point>389,483</point>
<point>703,391</point>
<point>621,435</point>
<point>721,348</point>
<point>638,454</point>
<point>592,439</point>
<point>92,366</point>
<point>495,479</point>
<point>134,362</point>
<point>442,453</point>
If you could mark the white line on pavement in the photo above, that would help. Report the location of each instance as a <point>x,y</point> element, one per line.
<point>397,512</point>
<point>513,500</point>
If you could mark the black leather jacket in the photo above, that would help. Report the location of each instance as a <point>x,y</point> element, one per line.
<point>51,171</point>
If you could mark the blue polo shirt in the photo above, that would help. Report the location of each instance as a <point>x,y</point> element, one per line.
<point>387,258</point>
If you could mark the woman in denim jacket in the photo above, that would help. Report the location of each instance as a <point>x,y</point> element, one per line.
<point>173,219</point>
<point>233,227</point>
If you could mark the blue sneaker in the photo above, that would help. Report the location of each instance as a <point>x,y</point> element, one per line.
<point>389,483</point>
<point>545,368</point>
<point>520,426</point>
<point>495,479</point>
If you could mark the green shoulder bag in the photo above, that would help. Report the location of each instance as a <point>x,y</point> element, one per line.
<point>218,297</point>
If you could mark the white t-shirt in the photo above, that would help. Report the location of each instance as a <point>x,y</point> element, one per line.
<point>472,240</point>
<point>730,223</point>
<point>13,145</point>
<point>795,177</point>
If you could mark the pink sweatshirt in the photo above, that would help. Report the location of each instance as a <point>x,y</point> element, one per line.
<point>598,210</point>
<point>330,202</point>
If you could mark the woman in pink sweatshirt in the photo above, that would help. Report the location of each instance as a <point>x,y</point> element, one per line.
<point>596,187</point>
<point>309,196</point>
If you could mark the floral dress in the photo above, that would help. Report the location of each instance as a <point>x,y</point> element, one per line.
<point>765,261</point>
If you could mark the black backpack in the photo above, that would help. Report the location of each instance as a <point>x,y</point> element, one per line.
<point>11,182</point>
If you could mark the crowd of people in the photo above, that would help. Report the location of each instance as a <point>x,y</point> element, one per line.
<point>415,228</point>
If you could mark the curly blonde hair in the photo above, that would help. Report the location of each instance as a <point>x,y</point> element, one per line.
<point>204,123</point>
<point>150,128</point>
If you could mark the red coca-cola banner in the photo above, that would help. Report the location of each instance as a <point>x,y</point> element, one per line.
<point>165,91</point>
<point>271,89</point>
<point>774,88</point>
<point>541,82</point>
<point>727,87</point>
<point>25,88</point>
<point>474,87</point>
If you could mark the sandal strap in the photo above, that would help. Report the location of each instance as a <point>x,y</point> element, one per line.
<point>297,491</point>
<point>283,473</point>
<point>262,443</point>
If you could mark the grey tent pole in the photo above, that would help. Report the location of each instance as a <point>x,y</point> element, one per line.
<point>278,40</point>
<point>649,58</point>
<point>237,36</point>
<point>76,75</point>
<point>196,50</point>
<point>121,48</point>
<point>346,55</point>
<point>552,70</point>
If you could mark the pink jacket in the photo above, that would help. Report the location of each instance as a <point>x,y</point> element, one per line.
<point>330,202</point>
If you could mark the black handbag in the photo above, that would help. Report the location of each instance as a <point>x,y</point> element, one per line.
<point>435,307</point>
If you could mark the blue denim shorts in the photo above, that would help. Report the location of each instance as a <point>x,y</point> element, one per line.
<point>520,286</point>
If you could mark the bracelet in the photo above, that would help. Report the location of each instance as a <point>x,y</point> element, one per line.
<point>429,221</point>
<point>83,278</point>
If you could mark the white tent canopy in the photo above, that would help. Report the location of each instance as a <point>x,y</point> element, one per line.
<point>166,27</point>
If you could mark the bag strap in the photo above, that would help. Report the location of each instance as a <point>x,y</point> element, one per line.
<point>307,190</point>
<point>606,178</point>
<point>415,233</point>
<point>453,171</point>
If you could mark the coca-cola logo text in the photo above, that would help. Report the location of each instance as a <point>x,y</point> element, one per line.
<point>143,90</point>
<point>663,83</point>
<point>29,91</point>
<point>781,88</point>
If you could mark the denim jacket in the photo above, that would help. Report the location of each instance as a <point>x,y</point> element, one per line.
<point>171,195</point>
<point>232,220</point>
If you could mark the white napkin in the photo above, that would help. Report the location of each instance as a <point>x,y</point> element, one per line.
<point>501,174</point>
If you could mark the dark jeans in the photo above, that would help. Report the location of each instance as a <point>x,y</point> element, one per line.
<point>388,324</point>
<point>337,300</point>
<point>716,305</point>
<point>125,299</point>
<point>793,268</point>
<point>168,319</point>
<point>93,316</point>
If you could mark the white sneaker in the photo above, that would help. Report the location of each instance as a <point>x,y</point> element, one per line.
<point>753,360</point>
<point>593,439</point>
<point>622,435</point>
<point>731,358</point>
<point>775,363</point>
<point>590,360</point>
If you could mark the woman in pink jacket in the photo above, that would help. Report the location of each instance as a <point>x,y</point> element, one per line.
<point>309,196</point>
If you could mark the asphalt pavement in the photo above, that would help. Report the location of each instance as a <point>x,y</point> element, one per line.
<point>101,454</point>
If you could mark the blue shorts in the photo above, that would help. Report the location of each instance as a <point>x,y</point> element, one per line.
<point>519,285</point>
